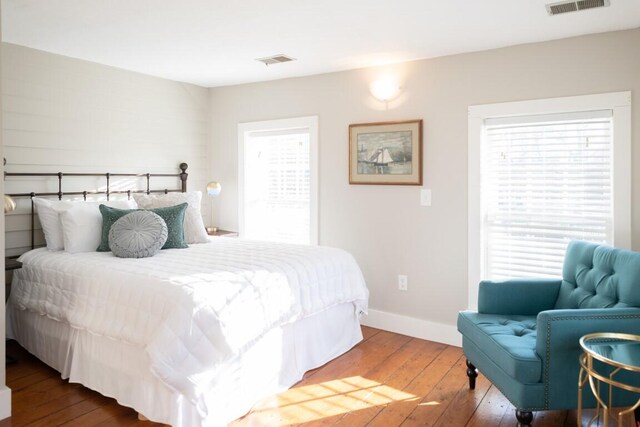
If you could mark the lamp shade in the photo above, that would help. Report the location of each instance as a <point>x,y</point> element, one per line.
<point>214,188</point>
<point>9,204</point>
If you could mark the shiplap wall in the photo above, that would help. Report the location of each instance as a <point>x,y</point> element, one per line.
<point>67,115</point>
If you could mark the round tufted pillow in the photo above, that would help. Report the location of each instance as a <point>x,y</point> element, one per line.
<point>138,234</point>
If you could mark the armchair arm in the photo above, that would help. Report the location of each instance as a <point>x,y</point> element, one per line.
<point>561,329</point>
<point>517,296</point>
<point>558,335</point>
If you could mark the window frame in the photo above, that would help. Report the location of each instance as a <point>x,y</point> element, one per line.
<point>620,105</point>
<point>309,122</point>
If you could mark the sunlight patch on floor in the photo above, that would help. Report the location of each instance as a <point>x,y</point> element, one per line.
<point>432,403</point>
<point>327,399</point>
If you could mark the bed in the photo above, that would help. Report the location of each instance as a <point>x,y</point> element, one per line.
<point>188,337</point>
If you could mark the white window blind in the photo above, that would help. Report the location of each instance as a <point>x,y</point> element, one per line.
<point>545,180</point>
<point>277,186</point>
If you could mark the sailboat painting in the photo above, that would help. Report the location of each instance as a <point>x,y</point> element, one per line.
<point>386,153</point>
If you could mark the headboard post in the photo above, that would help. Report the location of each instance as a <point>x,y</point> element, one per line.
<point>59,187</point>
<point>183,176</point>
<point>108,175</point>
<point>33,221</point>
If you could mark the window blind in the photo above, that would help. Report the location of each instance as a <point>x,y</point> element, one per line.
<point>278,186</point>
<point>545,180</point>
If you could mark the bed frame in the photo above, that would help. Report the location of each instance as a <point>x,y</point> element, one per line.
<point>108,192</point>
<point>122,370</point>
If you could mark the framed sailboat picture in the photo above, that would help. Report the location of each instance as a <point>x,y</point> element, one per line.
<point>386,153</point>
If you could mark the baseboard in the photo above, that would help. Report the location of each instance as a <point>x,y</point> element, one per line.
<point>5,402</point>
<point>413,327</point>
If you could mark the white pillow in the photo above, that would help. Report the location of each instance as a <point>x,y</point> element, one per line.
<point>194,231</point>
<point>49,215</point>
<point>82,224</point>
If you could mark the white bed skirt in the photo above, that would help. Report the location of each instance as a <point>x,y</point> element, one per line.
<point>122,371</point>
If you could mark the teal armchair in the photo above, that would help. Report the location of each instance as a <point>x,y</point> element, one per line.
<point>524,336</point>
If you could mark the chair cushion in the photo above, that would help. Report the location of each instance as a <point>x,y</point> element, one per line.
<point>596,276</point>
<point>510,341</point>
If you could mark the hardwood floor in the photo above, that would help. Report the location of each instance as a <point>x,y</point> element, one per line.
<point>387,380</point>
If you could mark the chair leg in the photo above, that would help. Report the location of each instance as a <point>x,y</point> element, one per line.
<point>524,418</point>
<point>472,373</point>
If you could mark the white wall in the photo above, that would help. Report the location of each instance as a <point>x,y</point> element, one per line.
<point>385,228</point>
<point>69,115</point>
<point>66,114</point>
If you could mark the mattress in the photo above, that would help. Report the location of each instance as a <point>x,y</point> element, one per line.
<point>200,320</point>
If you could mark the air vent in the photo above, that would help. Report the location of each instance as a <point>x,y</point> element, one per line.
<point>590,4</point>
<point>574,6</point>
<point>275,59</point>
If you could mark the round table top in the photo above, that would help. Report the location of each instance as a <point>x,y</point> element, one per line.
<point>620,350</point>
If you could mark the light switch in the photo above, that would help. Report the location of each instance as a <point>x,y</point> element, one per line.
<point>425,197</point>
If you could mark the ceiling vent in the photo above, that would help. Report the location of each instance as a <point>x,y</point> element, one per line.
<point>574,6</point>
<point>275,59</point>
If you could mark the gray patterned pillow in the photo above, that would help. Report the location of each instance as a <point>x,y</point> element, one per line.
<point>138,234</point>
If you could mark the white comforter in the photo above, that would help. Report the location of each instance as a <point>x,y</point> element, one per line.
<point>192,309</point>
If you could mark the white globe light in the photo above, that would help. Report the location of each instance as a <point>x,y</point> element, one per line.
<point>214,188</point>
<point>384,89</point>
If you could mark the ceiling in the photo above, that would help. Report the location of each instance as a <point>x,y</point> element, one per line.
<point>215,43</point>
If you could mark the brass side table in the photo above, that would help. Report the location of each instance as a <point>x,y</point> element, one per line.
<point>618,351</point>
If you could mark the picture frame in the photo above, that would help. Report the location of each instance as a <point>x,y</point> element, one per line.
<point>386,153</point>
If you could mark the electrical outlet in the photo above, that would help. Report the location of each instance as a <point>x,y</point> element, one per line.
<point>402,282</point>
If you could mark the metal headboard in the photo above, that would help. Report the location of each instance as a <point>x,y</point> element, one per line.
<point>108,192</point>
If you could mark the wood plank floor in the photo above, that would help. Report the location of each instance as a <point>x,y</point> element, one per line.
<point>387,380</point>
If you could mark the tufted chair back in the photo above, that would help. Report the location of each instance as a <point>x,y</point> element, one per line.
<point>596,276</point>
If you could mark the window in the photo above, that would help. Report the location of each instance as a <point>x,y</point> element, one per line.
<point>545,179</point>
<point>542,173</point>
<point>278,180</point>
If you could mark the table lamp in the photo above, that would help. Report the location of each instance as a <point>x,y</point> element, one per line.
<point>9,204</point>
<point>213,190</point>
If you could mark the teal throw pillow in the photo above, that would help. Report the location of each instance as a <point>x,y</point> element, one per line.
<point>173,216</point>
